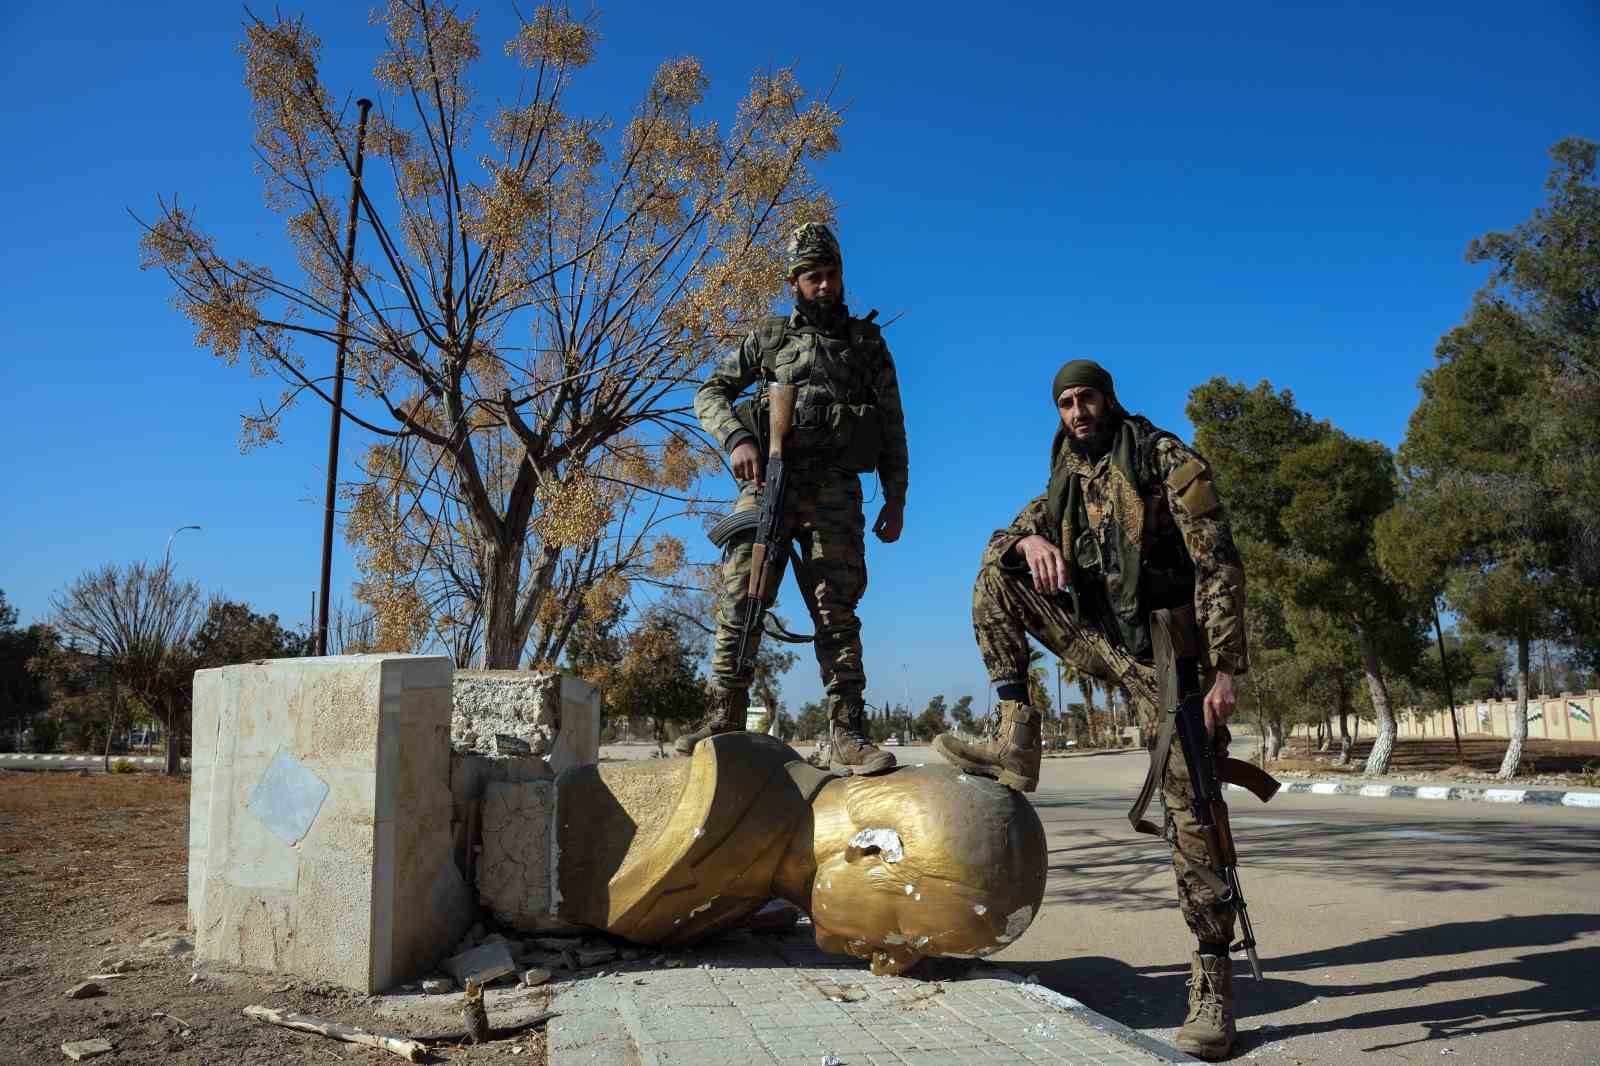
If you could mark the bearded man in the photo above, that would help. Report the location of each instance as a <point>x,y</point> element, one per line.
<point>848,421</point>
<point>1130,523</point>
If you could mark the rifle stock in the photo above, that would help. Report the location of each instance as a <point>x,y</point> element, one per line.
<point>769,523</point>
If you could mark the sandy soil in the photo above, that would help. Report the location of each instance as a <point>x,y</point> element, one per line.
<point>1544,762</point>
<point>94,871</point>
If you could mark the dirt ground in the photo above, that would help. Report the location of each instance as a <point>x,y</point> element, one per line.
<point>94,869</point>
<point>1561,762</point>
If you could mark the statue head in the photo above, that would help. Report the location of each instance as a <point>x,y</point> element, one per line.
<point>922,862</point>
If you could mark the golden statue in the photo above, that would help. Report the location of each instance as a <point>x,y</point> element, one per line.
<point>923,861</point>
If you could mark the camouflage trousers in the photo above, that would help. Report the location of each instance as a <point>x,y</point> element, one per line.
<point>823,518</point>
<point>1006,610</point>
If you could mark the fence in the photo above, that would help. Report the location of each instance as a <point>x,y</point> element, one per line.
<point>1569,716</point>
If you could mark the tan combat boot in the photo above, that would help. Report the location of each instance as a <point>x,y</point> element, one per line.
<point>726,715</point>
<point>1010,755</point>
<point>849,750</point>
<point>1208,1031</point>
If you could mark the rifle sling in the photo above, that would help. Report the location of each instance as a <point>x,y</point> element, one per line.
<point>1152,777</point>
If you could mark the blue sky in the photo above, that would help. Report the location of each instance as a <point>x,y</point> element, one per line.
<point>1257,190</point>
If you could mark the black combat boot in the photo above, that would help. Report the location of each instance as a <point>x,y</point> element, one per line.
<point>1208,1031</point>
<point>849,750</point>
<point>1010,755</point>
<point>725,714</point>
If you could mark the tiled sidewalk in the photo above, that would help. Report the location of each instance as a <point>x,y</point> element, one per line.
<point>752,999</point>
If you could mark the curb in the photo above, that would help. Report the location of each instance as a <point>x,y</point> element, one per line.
<point>1543,797</point>
<point>1093,1018</point>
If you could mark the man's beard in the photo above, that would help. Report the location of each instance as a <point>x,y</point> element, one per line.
<point>1097,443</point>
<point>827,315</point>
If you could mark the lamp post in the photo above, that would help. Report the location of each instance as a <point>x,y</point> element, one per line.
<point>166,558</point>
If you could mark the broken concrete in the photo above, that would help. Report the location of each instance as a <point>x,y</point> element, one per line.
<point>481,964</point>
<point>78,1050</point>
<point>86,990</point>
<point>513,870</point>
<point>554,713</point>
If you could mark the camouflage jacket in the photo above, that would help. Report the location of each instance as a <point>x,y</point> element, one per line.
<point>1177,491</point>
<point>855,368</point>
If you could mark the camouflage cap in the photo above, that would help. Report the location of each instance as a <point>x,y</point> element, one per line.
<point>812,245</point>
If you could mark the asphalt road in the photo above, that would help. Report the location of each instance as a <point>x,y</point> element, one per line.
<point>1390,930</point>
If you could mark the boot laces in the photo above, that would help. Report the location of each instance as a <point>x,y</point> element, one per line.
<point>1205,1000</point>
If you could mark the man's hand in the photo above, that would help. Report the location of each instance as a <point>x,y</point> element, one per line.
<point>891,520</point>
<point>1220,702</point>
<point>746,462</point>
<point>1045,562</point>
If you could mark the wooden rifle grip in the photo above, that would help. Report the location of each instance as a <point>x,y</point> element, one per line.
<point>780,408</point>
<point>758,571</point>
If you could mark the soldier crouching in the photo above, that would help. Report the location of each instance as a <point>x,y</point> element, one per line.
<point>1130,523</point>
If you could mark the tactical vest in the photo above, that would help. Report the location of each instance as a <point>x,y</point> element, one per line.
<point>837,417</point>
<point>1117,579</point>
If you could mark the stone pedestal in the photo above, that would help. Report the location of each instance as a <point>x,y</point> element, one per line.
<point>320,837</point>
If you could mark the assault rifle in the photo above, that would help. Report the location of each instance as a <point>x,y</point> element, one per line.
<point>1183,713</point>
<point>771,545</point>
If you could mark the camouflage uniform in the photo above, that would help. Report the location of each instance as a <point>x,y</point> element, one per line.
<point>846,364</point>
<point>1174,489</point>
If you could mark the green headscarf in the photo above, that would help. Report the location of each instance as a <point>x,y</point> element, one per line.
<point>1082,372</point>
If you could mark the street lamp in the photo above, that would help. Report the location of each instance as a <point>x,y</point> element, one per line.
<point>166,561</point>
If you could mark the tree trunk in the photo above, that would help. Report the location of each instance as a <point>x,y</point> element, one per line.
<point>174,748</point>
<point>1519,723</point>
<point>1449,689</point>
<point>503,639</point>
<point>1383,744</point>
<point>1345,741</point>
<point>1274,738</point>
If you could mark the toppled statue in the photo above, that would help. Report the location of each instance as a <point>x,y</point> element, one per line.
<point>919,862</point>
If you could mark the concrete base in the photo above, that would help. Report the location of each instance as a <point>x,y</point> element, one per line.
<point>320,836</point>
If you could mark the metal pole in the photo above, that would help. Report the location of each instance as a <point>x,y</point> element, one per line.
<point>166,559</point>
<point>337,416</point>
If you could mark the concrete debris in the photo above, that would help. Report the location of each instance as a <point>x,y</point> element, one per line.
<point>78,1050</point>
<point>556,943</point>
<point>85,990</point>
<point>535,977</point>
<point>195,979</point>
<point>595,956</point>
<point>832,1060</point>
<point>775,917</point>
<point>172,943</point>
<point>509,745</point>
<point>437,986</point>
<point>482,964</point>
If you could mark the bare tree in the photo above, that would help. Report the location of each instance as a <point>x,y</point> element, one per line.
<point>142,620</point>
<point>544,288</point>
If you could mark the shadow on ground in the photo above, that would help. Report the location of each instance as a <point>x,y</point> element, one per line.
<point>1556,984</point>
<point>1121,871</point>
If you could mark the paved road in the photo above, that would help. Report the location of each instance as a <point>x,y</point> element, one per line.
<point>1391,930</point>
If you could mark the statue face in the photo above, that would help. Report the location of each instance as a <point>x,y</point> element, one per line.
<point>921,862</point>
